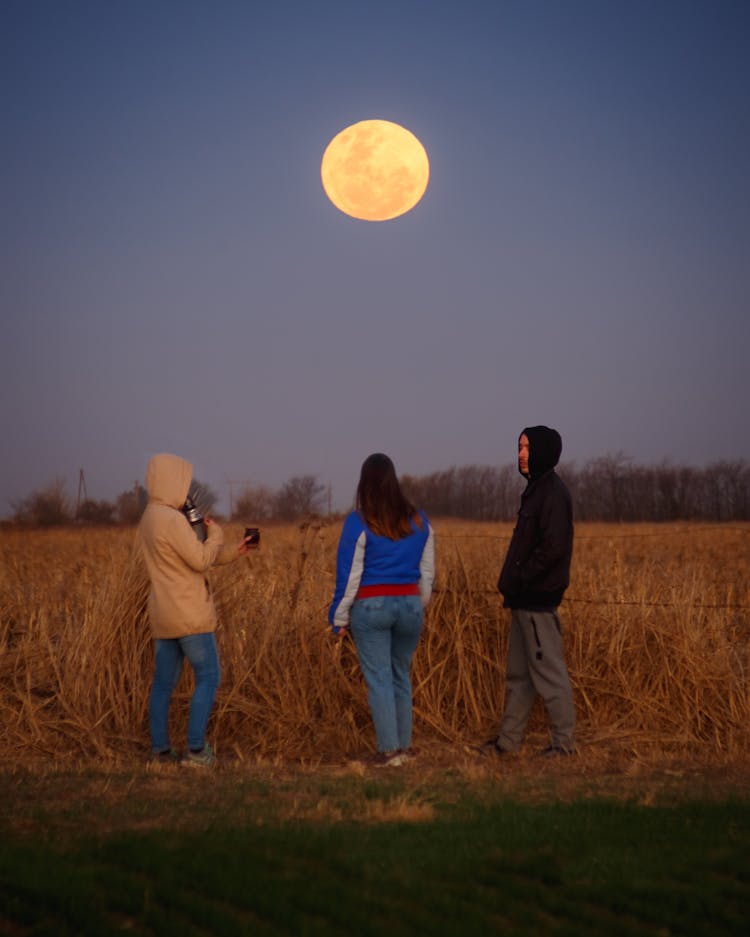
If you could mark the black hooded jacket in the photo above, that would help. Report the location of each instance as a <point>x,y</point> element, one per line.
<point>536,571</point>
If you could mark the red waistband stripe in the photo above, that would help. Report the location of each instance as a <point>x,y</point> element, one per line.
<point>369,592</point>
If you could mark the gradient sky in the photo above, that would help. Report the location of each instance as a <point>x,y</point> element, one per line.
<point>174,278</point>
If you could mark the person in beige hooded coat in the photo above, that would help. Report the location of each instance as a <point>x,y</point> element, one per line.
<point>180,608</point>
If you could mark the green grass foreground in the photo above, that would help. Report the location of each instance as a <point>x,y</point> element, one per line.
<point>589,866</point>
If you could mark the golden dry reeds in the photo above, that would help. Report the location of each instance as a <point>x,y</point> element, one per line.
<point>656,625</point>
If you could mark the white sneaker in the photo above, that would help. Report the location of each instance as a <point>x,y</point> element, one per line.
<point>390,759</point>
<point>205,758</point>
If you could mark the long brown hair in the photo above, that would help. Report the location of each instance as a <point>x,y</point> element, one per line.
<point>380,501</point>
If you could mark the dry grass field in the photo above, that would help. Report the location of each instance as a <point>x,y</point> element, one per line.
<point>656,623</point>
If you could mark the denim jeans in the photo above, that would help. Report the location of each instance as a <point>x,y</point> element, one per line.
<point>386,632</point>
<point>169,653</point>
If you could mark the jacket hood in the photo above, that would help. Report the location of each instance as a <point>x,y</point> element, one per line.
<point>168,479</point>
<point>545,448</point>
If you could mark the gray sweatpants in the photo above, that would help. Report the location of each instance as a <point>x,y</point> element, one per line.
<point>536,664</point>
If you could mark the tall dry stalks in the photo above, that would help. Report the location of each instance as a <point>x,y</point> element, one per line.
<point>656,625</point>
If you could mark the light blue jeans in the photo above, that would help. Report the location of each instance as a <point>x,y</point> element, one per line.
<point>386,632</point>
<point>169,653</point>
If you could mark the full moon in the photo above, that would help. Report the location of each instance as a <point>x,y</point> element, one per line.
<point>375,170</point>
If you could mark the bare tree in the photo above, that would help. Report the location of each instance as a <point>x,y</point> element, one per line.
<point>96,512</point>
<point>131,504</point>
<point>300,495</point>
<point>49,507</point>
<point>255,503</point>
<point>474,492</point>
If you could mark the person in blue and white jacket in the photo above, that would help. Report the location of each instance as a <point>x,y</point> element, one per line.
<point>384,573</point>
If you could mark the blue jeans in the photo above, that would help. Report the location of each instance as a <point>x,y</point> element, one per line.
<point>169,653</point>
<point>386,632</point>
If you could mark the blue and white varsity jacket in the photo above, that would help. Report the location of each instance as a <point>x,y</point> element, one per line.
<point>366,559</point>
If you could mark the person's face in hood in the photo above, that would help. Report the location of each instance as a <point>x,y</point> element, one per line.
<point>523,454</point>
<point>543,450</point>
<point>168,479</point>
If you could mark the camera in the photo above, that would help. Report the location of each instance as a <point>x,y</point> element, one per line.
<point>252,535</point>
<point>195,519</point>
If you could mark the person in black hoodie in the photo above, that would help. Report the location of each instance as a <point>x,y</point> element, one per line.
<point>533,579</point>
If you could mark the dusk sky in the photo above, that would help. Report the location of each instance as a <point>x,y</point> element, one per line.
<point>174,278</point>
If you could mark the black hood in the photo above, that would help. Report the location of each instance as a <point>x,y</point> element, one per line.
<point>545,448</point>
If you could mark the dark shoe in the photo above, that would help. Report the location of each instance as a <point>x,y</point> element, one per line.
<point>492,747</point>
<point>168,757</point>
<point>556,751</point>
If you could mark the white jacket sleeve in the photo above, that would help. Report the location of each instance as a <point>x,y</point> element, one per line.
<point>427,568</point>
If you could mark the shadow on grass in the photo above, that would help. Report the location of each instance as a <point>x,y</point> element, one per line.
<point>581,868</point>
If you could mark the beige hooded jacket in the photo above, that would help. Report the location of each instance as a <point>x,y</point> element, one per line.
<point>179,602</point>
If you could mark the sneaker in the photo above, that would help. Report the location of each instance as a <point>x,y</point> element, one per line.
<point>492,747</point>
<point>167,757</point>
<point>557,751</point>
<point>390,759</point>
<point>205,758</point>
<point>409,753</point>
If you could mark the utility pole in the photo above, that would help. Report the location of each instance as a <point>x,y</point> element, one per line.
<point>81,490</point>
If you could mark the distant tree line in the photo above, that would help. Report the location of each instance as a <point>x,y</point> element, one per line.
<point>300,496</point>
<point>613,489</point>
<point>51,506</point>
<point>472,492</point>
<point>610,488</point>
<point>606,489</point>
